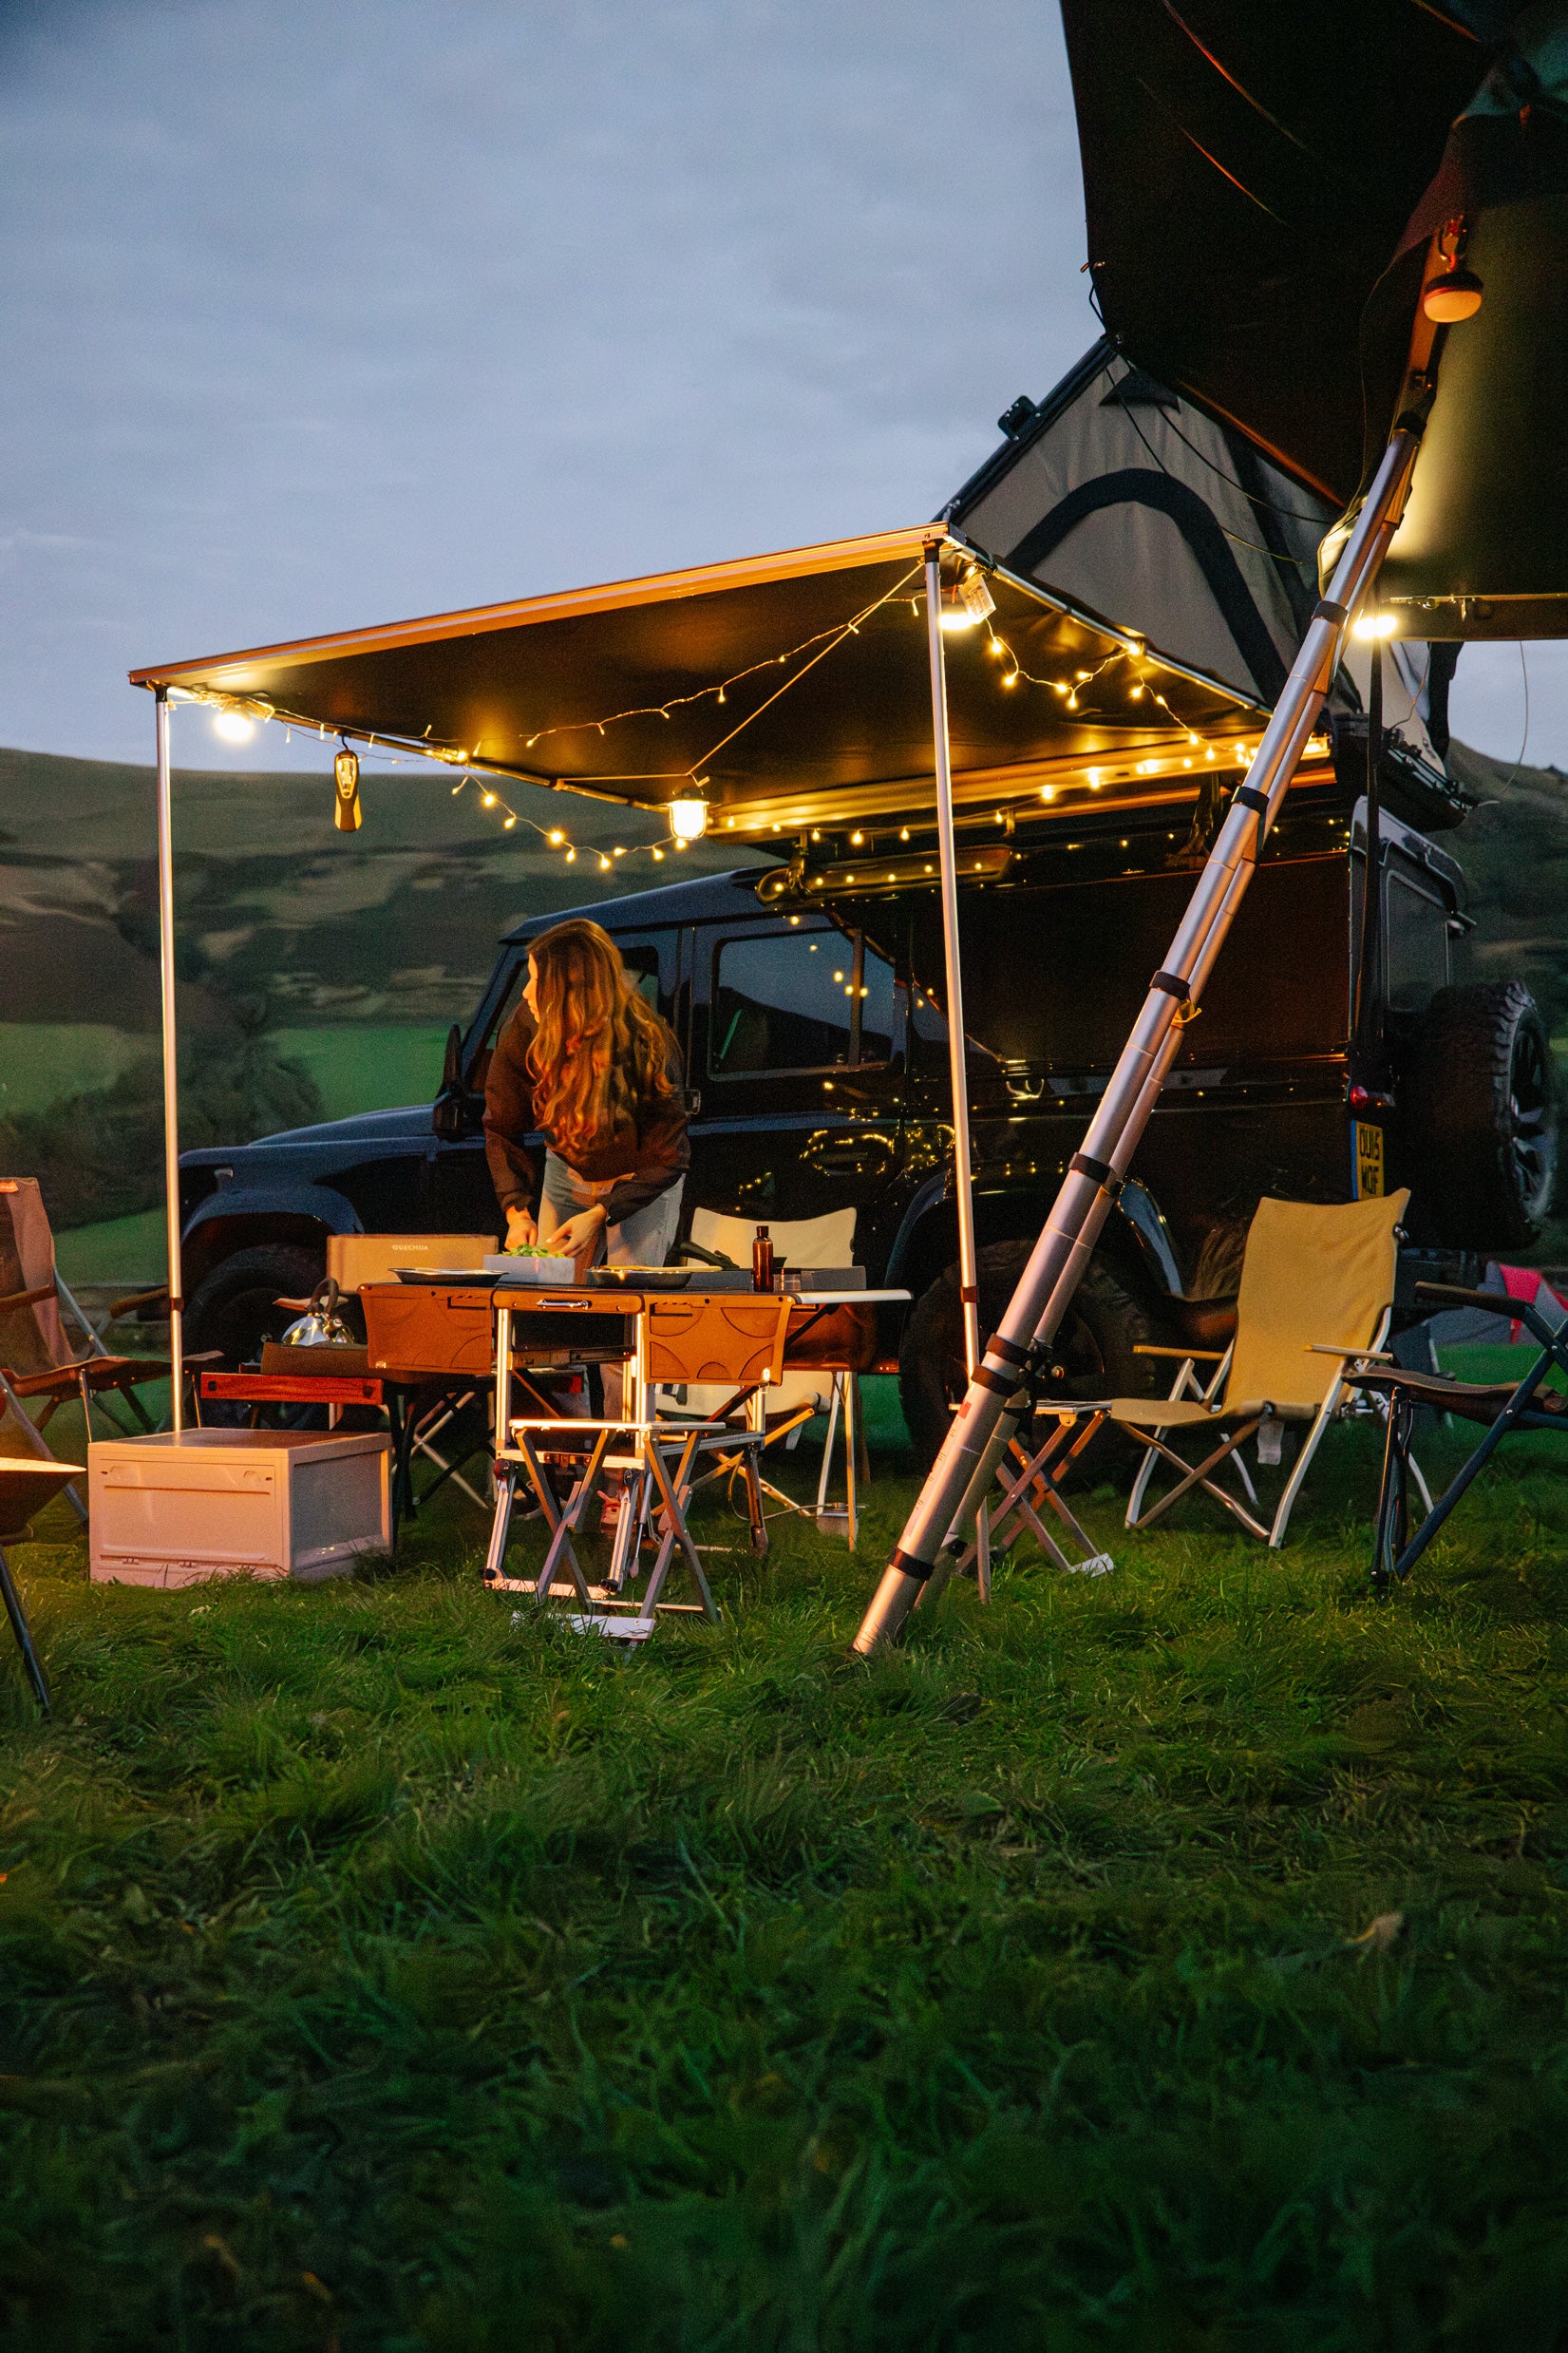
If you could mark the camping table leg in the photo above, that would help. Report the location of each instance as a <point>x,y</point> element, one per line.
<point>569,1523</point>
<point>22,1632</point>
<point>500,1528</point>
<point>676,1530</point>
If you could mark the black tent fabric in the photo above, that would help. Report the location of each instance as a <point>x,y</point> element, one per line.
<point>1142,510</point>
<point>1249,173</point>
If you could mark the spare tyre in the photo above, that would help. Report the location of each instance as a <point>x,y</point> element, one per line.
<point>1479,1117</point>
<point>1094,1348</point>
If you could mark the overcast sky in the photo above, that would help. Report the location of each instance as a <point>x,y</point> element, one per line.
<point>323,312</point>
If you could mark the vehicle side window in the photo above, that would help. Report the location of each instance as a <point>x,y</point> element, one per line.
<point>781,1004</point>
<point>809,1000</point>
<point>1417,946</point>
<point>878,1017</point>
<point>642,963</point>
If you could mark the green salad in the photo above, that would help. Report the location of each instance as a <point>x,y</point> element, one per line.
<point>530,1251</point>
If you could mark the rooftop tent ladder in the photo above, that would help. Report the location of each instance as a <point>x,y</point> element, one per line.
<point>941,1526</point>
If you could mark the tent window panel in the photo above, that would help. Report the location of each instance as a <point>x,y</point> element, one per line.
<point>781,1004</point>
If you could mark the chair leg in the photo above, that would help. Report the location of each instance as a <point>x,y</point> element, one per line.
<point>1392,1527</point>
<point>22,1632</point>
<point>1199,1478</point>
<point>1326,1413</point>
<point>1141,1486</point>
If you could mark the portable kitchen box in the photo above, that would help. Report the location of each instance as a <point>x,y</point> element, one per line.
<point>182,1505</point>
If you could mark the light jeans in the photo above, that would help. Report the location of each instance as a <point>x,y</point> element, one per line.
<point>644,1239</point>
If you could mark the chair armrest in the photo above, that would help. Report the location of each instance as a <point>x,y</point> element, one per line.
<point>138,1300</point>
<point>1195,1356</point>
<point>1362,1355</point>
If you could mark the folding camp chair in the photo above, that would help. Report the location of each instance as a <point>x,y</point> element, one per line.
<point>36,1358</point>
<point>1318,1288</point>
<point>804,1388</point>
<point>1505,1406</point>
<point>24,1489</point>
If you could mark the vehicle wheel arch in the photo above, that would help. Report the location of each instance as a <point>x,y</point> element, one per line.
<point>211,1240</point>
<point>927,1243</point>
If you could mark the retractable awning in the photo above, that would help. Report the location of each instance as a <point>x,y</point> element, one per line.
<point>788,689</point>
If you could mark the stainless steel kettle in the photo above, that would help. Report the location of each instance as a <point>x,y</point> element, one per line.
<point>321,1326</point>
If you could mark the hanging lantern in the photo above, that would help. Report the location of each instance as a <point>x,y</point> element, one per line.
<point>348,816</point>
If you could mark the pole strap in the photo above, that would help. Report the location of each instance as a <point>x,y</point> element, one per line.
<point>970,1296</point>
<point>1100,1171</point>
<point>1000,1384</point>
<point>1173,985</point>
<point>1325,610</point>
<point>1008,1351</point>
<point>909,1564</point>
<point>1249,797</point>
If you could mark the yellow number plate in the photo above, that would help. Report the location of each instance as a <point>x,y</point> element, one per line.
<point>1368,1162</point>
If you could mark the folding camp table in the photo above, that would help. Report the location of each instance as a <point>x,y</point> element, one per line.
<point>659,1337</point>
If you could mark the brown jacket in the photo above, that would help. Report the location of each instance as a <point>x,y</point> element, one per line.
<point>647,1155</point>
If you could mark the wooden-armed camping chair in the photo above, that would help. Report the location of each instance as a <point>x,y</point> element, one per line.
<point>37,1360</point>
<point>1317,1290</point>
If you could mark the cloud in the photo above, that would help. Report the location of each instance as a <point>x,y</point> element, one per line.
<point>317,316</point>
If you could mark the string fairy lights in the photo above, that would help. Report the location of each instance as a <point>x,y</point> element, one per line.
<point>1103,694</point>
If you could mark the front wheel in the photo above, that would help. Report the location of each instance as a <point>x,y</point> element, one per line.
<point>1094,1352</point>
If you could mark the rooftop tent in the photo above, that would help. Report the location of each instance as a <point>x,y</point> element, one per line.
<point>1272,197</point>
<point>1133,503</point>
<point>1248,173</point>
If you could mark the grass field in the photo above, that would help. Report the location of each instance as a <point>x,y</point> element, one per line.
<point>366,1067</point>
<point>1170,1961</point>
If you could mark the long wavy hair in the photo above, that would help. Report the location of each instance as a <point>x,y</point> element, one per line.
<point>598,1047</point>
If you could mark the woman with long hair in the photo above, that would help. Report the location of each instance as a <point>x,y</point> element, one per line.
<point>587,1062</point>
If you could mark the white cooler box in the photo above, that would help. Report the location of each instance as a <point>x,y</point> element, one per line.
<point>173,1508</point>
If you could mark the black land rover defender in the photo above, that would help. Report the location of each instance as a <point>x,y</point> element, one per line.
<point>808,1007</point>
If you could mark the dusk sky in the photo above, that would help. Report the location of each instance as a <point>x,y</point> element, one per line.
<point>318,316</point>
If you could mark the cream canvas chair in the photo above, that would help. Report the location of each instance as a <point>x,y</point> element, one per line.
<point>1318,1289</point>
<point>827,1241</point>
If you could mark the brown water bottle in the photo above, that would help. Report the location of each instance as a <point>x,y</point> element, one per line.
<point>761,1260</point>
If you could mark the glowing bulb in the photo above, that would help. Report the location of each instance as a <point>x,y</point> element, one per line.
<point>556,838</point>
<point>904,833</point>
<point>233,727</point>
<point>856,840</point>
<point>618,853</point>
<point>508,824</point>
<point>570,857</point>
<point>487,800</point>
<point>689,819</point>
<point>658,856</point>
<point>604,864</point>
<point>1374,625</point>
<point>680,845</point>
<point>1135,693</point>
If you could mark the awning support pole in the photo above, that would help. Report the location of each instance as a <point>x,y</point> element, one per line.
<point>954,1486</point>
<point>963,1179</point>
<point>171,1060</point>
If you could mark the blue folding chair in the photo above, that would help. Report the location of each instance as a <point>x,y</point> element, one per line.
<point>1504,1406</point>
